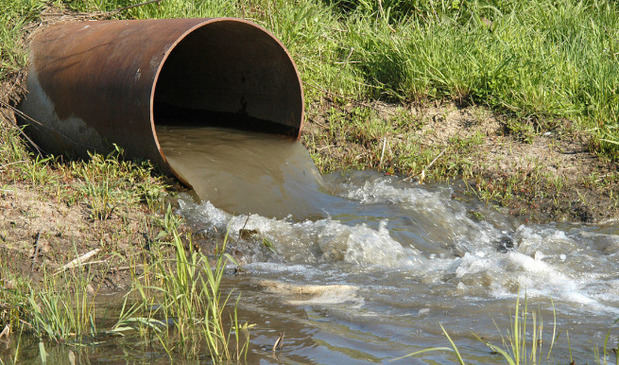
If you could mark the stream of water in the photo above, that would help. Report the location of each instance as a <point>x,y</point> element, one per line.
<point>362,268</point>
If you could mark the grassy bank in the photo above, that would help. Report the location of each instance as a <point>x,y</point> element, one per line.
<point>539,71</point>
<point>538,61</point>
<point>174,306</point>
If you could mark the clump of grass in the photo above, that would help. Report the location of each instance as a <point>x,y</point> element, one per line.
<point>523,342</point>
<point>12,149</point>
<point>361,138</point>
<point>180,302</point>
<point>13,301</point>
<point>14,14</point>
<point>60,314</point>
<point>176,303</point>
<point>58,308</point>
<point>517,347</point>
<point>108,183</point>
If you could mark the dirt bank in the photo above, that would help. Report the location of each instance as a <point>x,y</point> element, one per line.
<point>543,177</point>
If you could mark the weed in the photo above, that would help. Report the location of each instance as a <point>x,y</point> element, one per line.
<point>189,299</point>
<point>515,346</point>
<point>14,14</point>
<point>60,315</point>
<point>521,344</point>
<point>108,183</point>
<point>13,301</point>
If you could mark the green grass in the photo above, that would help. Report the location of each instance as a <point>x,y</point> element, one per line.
<point>536,59</point>
<point>176,304</point>
<point>540,60</point>
<point>14,14</point>
<point>524,342</point>
<point>108,183</point>
<point>59,308</point>
<point>179,302</point>
<point>58,314</point>
<point>359,138</point>
<point>520,346</point>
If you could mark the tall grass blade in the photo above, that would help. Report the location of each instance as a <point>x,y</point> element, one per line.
<point>554,329</point>
<point>453,345</point>
<point>421,352</point>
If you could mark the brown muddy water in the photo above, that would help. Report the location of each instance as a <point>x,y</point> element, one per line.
<point>246,172</point>
<point>365,268</point>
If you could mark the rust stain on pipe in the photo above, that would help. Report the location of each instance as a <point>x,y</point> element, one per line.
<point>95,83</point>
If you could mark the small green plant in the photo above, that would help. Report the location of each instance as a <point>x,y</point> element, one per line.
<point>520,345</point>
<point>516,348</point>
<point>184,294</point>
<point>109,183</point>
<point>37,171</point>
<point>602,358</point>
<point>58,314</point>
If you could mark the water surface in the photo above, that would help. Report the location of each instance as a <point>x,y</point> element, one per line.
<point>364,267</point>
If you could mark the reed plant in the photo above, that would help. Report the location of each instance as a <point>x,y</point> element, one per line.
<point>522,344</point>
<point>180,303</point>
<point>62,309</point>
<point>518,348</point>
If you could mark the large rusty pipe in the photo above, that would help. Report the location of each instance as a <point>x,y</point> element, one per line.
<point>95,83</point>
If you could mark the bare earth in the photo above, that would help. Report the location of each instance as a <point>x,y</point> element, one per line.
<point>544,177</point>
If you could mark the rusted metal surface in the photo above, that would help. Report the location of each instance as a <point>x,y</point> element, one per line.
<point>95,83</point>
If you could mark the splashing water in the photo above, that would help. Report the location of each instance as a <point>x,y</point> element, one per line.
<point>369,264</point>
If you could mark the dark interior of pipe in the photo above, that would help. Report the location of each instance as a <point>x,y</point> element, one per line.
<point>229,74</point>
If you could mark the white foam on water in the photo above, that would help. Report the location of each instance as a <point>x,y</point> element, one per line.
<point>545,261</point>
<point>514,273</point>
<point>381,190</point>
<point>448,217</point>
<point>306,271</point>
<point>311,242</point>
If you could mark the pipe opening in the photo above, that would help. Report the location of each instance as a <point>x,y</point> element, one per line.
<point>229,73</point>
